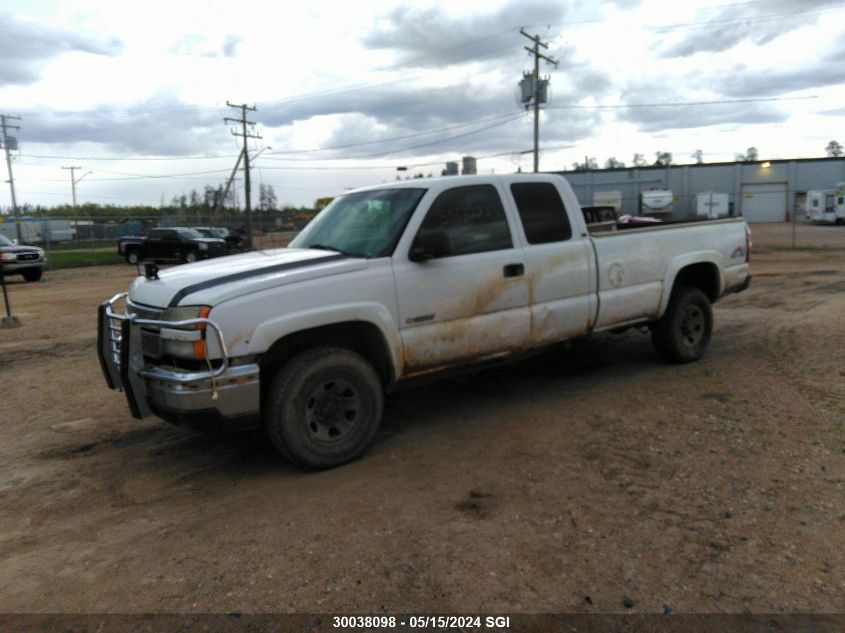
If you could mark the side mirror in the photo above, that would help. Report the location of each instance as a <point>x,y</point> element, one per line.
<point>15,241</point>
<point>430,245</point>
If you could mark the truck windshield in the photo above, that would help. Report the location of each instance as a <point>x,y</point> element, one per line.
<point>362,224</point>
<point>5,241</point>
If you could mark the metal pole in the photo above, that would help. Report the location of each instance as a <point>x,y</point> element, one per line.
<point>7,321</point>
<point>73,198</point>
<point>536,105</point>
<point>5,293</point>
<point>248,205</point>
<point>245,135</point>
<point>3,118</point>
<point>794,224</point>
<point>535,51</point>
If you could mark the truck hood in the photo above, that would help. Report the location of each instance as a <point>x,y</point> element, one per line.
<point>212,281</point>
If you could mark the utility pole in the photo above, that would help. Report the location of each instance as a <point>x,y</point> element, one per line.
<point>535,51</point>
<point>73,182</point>
<point>245,135</point>
<point>11,180</point>
<point>219,206</point>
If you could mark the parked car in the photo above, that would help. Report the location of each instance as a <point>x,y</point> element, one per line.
<point>15,259</point>
<point>170,244</point>
<point>235,240</point>
<point>400,281</point>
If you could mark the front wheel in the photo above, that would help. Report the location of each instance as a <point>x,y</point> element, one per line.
<point>132,257</point>
<point>190,257</point>
<point>324,407</point>
<point>682,335</point>
<point>32,274</point>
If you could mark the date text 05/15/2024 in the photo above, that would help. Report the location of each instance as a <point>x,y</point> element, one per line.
<point>421,621</point>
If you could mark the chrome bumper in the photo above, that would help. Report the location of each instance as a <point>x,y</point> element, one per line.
<point>12,267</point>
<point>220,393</point>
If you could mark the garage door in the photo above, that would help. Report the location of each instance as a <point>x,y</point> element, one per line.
<point>764,202</point>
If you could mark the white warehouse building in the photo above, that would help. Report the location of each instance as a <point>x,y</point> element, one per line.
<point>761,191</point>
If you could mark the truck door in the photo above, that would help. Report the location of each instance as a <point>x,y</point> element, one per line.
<point>468,299</point>
<point>154,247</point>
<point>557,264</point>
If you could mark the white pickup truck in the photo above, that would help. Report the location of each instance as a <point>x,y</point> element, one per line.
<point>401,280</point>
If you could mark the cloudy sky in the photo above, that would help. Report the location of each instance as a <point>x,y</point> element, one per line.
<point>136,93</point>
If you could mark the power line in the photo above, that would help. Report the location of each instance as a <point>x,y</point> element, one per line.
<point>437,142</point>
<point>502,118</point>
<point>677,104</point>
<point>392,138</point>
<point>138,158</point>
<point>145,177</point>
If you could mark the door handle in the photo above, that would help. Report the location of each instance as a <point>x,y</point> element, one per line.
<point>514,270</point>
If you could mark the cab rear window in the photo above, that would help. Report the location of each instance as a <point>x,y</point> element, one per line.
<point>542,212</point>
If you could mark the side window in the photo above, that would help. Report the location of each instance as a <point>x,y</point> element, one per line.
<point>542,212</point>
<point>472,219</point>
<point>156,233</point>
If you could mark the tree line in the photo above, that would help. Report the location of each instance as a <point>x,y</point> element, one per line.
<point>206,203</point>
<point>662,159</point>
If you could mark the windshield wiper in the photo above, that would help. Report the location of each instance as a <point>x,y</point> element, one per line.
<point>324,247</point>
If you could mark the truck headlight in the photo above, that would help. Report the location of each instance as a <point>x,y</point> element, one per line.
<point>8,257</point>
<point>184,341</point>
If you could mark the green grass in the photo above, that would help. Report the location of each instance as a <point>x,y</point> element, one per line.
<point>75,259</point>
<point>73,246</point>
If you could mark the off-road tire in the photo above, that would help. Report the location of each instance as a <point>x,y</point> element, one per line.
<point>682,335</point>
<point>323,407</point>
<point>33,274</point>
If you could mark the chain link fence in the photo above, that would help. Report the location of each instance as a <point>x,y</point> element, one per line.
<point>92,240</point>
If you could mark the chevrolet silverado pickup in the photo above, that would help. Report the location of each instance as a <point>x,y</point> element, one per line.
<point>397,281</point>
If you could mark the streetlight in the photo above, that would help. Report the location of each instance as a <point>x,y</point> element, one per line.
<point>73,182</point>
<point>259,152</point>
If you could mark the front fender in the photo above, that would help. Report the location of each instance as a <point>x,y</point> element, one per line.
<point>375,314</point>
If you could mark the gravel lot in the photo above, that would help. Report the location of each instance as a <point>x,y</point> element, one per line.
<point>564,483</point>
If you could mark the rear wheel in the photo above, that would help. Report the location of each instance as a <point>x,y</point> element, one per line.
<point>132,257</point>
<point>190,257</point>
<point>324,407</point>
<point>682,335</point>
<point>32,274</point>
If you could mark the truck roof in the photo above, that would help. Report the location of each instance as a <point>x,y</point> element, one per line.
<point>440,181</point>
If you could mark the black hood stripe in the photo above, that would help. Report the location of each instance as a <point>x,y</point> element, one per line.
<point>246,274</point>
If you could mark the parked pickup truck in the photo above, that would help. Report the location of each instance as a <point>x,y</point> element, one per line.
<point>397,281</point>
<point>172,244</point>
<point>28,261</point>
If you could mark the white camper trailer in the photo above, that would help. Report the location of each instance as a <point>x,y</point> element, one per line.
<point>608,199</point>
<point>825,206</point>
<point>656,202</point>
<point>712,205</point>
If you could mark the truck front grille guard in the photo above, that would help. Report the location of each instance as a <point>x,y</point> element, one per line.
<point>114,322</point>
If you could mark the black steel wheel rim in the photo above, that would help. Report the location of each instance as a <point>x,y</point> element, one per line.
<point>692,326</point>
<point>332,411</point>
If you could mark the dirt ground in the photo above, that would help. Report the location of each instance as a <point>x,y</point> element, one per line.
<point>563,483</point>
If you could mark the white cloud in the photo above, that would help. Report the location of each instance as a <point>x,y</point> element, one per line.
<point>92,78</point>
